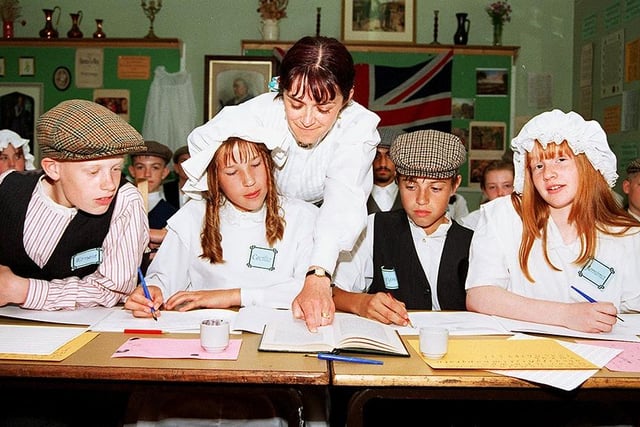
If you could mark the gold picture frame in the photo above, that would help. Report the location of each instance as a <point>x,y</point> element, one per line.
<point>223,71</point>
<point>389,21</point>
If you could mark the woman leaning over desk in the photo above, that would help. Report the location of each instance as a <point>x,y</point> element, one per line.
<point>561,238</point>
<point>326,146</point>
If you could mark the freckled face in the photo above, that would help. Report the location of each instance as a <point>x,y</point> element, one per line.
<point>243,183</point>
<point>425,200</point>
<point>12,158</point>
<point>556,179</point>
<point>309,121</point>
<point>89,185</point>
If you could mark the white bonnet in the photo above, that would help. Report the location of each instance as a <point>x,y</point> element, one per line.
<point>205,140</point>
<point>10,137</point>
<point>555,126</point>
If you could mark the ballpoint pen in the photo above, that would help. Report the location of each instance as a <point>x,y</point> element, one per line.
<point>588,298</point>
<point>339,358</point>
<point>143,283</point>
<point>408,318</point>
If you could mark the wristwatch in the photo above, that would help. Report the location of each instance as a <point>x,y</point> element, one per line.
<point>318,271</point>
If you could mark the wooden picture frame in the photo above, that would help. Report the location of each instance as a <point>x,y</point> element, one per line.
<point>20,107</point>
<point>221,72</point>
<point>26,66</point>
<point>394,21</point>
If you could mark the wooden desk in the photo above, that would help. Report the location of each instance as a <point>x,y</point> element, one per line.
<point>92,369</point>
<point>411,378</point>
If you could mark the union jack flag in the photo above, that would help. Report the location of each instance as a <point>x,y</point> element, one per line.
<point>408,98</point>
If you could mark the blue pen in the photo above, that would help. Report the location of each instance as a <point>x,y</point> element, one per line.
<point>588,298</point>
<point>338,358</point>
<point>146,292</point>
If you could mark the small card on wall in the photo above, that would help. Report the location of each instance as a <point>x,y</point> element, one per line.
<point>134,67</point>
<point>89,68</point>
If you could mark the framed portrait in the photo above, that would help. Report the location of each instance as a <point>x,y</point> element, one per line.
<point>27,66</point>
<point>62,78</point>
<point>231,80</point>
<point>383,21</point>
<point>20,107</point>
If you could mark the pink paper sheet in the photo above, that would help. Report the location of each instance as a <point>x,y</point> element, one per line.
<point>174,348</point>
<point>627,361</point>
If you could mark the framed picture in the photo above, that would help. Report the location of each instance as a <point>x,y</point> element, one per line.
<point>492,81</point>
<point>116,100</point>
<point>392,21</point>
<point>27,66</point>
<point>487,139</point>
<point>1,66</point>
<point>20,107</point>
<point>231,80</point>
<point>62,78</point>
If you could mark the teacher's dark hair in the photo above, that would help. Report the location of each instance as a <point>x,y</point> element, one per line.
<point>319,66</point>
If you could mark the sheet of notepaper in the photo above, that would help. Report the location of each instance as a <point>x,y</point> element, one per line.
<point>41,340</point>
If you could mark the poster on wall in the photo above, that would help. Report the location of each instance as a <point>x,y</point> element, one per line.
<point>89,68</point>
<point>611,63</point>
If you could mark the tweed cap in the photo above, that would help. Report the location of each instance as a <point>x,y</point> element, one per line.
<point>78,129</point>
<point>388,135</point>
<point>180,152</point>
<point>154,148</point>
<point>633,167</point>
<point>428,153</point>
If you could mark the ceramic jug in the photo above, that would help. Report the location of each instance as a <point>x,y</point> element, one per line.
<point>49,31</point>
<point>462,33</point>
<point>74,32</point>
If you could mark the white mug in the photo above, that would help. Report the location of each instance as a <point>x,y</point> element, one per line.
<point>214,335</point>
<point>434,341</point>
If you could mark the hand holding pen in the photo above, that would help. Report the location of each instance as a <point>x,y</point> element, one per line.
<point>145,289</point>
<point>591,300</point>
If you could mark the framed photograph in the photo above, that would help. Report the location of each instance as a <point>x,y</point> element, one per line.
<point>27,66</point>
<point>487,139</point>
<point>1,66</point>
<point>62,78</point>
<point>231,80</point>
<point>20,107</point>
<point>383,21</point>
<point>116,100</point>
<point>492,81</point>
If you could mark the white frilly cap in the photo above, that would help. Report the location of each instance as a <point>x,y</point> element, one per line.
<point>205,140</point>
<point>555,126</point>
<point>10,137</point>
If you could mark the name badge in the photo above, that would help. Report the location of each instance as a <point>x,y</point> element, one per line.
<point>389,277</point>
<point>85,258</point>
<point>597,273</point>
<point>264,258</point>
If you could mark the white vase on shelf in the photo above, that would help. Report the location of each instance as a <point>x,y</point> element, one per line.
<point>270,29</point>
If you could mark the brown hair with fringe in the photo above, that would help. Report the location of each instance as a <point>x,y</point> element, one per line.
<point>211,238</point>
<point>593,210</point>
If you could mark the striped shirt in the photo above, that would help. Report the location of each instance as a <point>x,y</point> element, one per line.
<point>116,276</point>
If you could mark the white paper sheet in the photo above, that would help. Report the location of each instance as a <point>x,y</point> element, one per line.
<point>81,316</point>
<point>168,321</point>
<point>40,340</point>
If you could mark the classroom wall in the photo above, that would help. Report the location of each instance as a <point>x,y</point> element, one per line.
<point>611,31</point>
<point>543,29</point>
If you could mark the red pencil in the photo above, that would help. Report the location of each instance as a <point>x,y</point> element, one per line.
<point>142,331</point>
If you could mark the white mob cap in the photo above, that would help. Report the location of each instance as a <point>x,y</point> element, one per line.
<point>555,126</point>
<point>10,137</point>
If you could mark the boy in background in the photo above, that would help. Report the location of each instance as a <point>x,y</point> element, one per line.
<point>415,258</point>
<point>73,235</point>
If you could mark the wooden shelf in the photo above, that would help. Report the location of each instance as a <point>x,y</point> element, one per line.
<point>91,42</point>
<point>395,48</point>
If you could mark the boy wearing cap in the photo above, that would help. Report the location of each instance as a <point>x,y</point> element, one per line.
<point>415,258</point>
<point>631,187</point>
<point>560,241</point>
<point>74,234</point>
<point>384,195</point>
<point>152,165</point>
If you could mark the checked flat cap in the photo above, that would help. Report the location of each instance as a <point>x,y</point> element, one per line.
<point>78,129</point>
<point>428,153</point>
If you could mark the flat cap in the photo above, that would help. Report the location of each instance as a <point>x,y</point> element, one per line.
<point>428,153</point>
<point>78,129</point>
<point>388,135</point>
<point>633,167</point>
<point>154,148</point>
<point>180,152</point>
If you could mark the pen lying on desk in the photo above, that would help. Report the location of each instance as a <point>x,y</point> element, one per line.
<point>338,358</point>
<point>143,331</point>
<point>588,298</point>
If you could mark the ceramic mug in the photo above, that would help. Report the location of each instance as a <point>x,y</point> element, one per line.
<point>214,335</point>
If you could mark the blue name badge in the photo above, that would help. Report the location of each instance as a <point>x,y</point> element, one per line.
<point>597,273</point>
<point>85,258</point>
<point>389,277</point>
<point>264,258</point>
